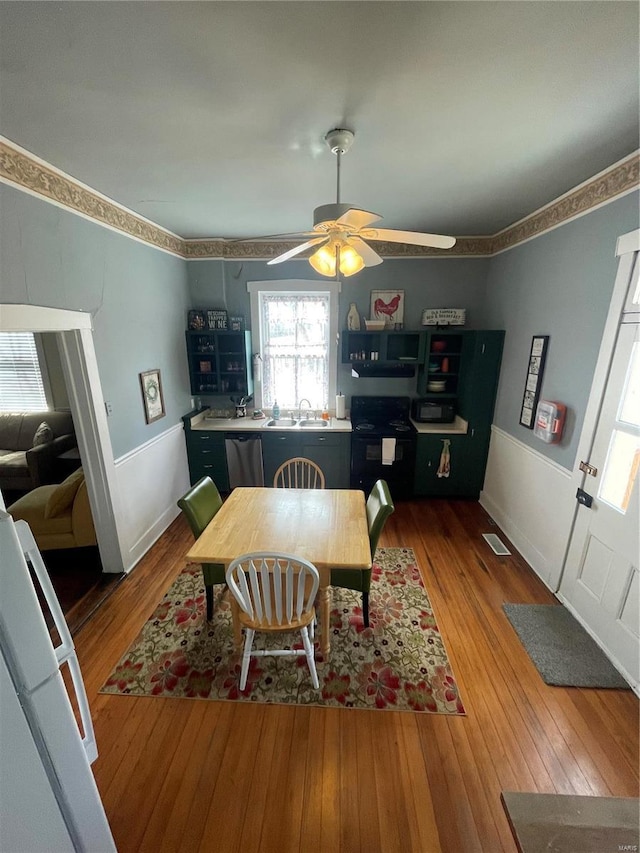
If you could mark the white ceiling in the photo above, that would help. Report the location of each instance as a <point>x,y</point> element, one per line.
<point>208,117</point>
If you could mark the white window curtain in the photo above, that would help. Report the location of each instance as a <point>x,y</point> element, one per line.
<point>295,349</point>
<point>21,384</point>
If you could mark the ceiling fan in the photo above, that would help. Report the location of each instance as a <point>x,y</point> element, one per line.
<point>340,230</point>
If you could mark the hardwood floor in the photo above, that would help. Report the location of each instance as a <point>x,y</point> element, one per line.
<point>189,775</point>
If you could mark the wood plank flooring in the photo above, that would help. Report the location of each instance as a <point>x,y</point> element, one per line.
<point>189,775</point>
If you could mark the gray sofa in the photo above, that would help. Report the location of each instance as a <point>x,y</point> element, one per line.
<point>23,466</point>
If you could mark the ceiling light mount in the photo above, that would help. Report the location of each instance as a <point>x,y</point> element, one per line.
<point>339,140</point>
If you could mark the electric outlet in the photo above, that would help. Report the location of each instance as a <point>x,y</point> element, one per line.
<point>109,409</point>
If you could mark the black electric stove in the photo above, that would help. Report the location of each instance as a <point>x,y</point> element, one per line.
<point>381,416</point>
<point>383,444</point>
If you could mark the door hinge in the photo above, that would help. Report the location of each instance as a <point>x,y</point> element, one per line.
<point>584,499</point>
<point>588,469</point>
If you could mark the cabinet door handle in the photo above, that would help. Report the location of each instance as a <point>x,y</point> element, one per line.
<point>207,466</point>
<point>204,437</point>
<point>206,451</point>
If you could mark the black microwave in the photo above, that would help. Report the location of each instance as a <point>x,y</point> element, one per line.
<point>431,410</point>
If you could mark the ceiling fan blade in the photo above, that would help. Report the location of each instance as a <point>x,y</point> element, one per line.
<point>357,219</point>
<point>298,249</point>
<point>370,258</point>
<point>290,236</point>
<point>435,241</point>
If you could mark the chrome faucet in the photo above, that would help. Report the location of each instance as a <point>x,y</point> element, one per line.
<point>304,400</point>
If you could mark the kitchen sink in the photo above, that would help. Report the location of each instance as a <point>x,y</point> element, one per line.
<point>314,422</point>
<point>282,422</point>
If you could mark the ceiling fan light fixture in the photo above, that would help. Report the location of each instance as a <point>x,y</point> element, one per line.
<point>324,260</point>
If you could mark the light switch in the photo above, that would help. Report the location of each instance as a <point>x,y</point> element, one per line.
<point>109,409</point>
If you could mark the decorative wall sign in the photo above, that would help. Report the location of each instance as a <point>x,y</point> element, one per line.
<point>236,324</point>
<point>533,385</point>
<point>216,318</point>
<point>388,305</point>
<point>151,385</point>
<point>444,316</point>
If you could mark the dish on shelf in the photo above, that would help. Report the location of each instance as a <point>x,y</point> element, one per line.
<point>435,385</point>
<point>438,346</point>
<point>374,325</point>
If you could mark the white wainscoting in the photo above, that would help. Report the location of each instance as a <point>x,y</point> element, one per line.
<point>531,499</point>
<point>150,480</point>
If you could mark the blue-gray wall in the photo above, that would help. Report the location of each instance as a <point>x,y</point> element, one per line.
<point>138,297</point>
<point>559,284</point>
<point>428,283</point>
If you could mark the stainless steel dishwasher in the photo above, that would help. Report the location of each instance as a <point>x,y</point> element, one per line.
<point>244,459</point>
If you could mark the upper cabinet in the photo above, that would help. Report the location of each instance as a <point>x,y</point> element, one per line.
<point>382,353</point>
<point>219,362</point>
<point>441,367</point>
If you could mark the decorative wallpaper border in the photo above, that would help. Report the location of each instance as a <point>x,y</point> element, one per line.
<point>24,171</point>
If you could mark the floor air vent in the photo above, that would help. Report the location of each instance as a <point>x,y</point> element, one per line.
<point>496,544</point>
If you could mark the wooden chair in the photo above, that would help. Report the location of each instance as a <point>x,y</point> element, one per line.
<point>379,508</point>
<point>275,593</point>
<point>199,505</point>
<point>299,473</point>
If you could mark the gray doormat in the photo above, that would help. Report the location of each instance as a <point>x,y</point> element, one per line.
<point>564,654</point>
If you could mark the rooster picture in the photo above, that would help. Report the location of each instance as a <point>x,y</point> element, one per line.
<point>387,310</point>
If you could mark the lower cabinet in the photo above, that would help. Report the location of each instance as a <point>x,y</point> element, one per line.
<point>331,452</point>
<point>460,482</point>
<point>207,457</point>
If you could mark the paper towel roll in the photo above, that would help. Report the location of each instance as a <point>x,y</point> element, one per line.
<point>340,411</point>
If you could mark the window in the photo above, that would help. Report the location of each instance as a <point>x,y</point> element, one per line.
<point>294,324</point>
<point>21,381</point>
<point>623,459</point>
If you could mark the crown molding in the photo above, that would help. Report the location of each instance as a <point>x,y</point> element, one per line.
<point>25,171</point>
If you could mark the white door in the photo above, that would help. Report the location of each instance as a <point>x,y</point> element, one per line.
<point>600,582</point>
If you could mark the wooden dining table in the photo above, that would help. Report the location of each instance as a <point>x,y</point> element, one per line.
<point>328,527</point>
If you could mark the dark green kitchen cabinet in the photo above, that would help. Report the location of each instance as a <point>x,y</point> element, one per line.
<point>332,452</point>
<point>220,362</point>
<point>329,450</point>
<point>277,447</point>
<point>471,376</point>
<point>428,452</point>
<point>207,457</point>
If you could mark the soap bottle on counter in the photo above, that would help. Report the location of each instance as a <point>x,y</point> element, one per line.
<point>275,411</point>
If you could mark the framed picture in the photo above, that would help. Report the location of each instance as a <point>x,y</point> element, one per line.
<point>197,320</point>
<point>236,324</point>
<point>388,305</point>
<point>151,385</point>
<point>533,383</point>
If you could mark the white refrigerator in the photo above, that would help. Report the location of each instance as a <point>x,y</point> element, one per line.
<point>49,801</point>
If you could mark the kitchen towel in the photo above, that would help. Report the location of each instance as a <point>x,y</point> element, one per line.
<point>388,451</point>
<point>340,412</point>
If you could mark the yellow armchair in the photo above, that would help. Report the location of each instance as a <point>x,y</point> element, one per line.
<point>59,515</point>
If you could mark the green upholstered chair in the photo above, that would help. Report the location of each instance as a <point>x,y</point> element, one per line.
<point>199,505</point>
<point>379,508</point>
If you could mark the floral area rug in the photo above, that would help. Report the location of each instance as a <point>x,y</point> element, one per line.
<point>398,663</point>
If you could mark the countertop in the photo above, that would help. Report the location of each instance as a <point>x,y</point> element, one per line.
<point>249,424</point>
<point>200,421</point>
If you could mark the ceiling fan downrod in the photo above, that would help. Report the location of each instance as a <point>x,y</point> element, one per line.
<point>339,141</point>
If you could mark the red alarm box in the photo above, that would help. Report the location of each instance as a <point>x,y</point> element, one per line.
<point>549,421</point>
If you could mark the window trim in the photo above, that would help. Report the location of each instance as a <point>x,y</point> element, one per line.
<point>295,286</point>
